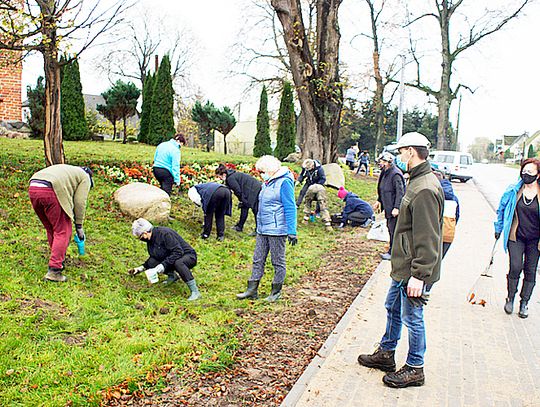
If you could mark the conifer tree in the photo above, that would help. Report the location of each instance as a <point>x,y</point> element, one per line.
<point>148,91</point>
<point>286,132</point>
<point>161,114</point>
<point>74,126</point>
<point>263,143</point>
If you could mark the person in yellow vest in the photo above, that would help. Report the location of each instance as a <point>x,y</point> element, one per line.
<point>58,195</point>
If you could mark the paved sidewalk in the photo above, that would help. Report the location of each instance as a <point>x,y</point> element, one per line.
<point>475,356</point>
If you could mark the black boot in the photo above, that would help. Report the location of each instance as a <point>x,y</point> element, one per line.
<point>380,359</point>
<point>512,290</point>
<point>405,377</point>
<point>526,292</point>
<point>252,291</point>
<point>275,294</point>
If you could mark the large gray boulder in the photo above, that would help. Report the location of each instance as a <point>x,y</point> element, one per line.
<point>334,175</point>
<point>140,200</point>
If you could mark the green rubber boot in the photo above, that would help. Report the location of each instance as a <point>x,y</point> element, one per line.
<point>195,293</point>
<point>275,294</point>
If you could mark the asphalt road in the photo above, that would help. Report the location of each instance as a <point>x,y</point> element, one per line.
<point>492,180</point>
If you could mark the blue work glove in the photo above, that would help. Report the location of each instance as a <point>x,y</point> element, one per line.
<point>292,239</point>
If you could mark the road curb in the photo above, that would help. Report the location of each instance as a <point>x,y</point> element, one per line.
<point>316,363</point>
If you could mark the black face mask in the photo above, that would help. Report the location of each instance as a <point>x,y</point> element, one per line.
<point>528,178</point>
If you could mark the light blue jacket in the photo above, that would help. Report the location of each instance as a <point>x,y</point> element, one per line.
<point>277,207</point>
<point>505,213</point>
<point>168,156</point>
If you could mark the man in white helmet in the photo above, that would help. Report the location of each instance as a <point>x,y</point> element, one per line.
<point>416,260</point>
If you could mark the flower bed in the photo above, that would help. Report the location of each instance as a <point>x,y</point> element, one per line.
<point>190,175</point>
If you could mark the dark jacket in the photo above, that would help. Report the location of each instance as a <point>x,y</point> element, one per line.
<point>449,194</point>
<point>206,191</point>
<point>167,246</point>
<point>417,247</point>
<point>245,187</point>
<point>314,176</point>
<point>354,204</point>
<point>390,188</point>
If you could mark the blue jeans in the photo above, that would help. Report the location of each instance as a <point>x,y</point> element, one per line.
<point>399,310</point>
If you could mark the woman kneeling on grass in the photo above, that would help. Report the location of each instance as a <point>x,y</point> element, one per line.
<point>169,254</point>
<point>276,223</point>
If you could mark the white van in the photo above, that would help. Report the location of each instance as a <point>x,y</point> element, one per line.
<point>457,164</point>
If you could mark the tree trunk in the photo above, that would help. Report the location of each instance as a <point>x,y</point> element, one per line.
<point>225,144</point>
<point>445,95</point>
<point>114,130</point>
<point>125,132</point>
<point>52,139</point>
<point>378,100</point>
<point>317,83</point>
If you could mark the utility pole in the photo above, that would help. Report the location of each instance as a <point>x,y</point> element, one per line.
<point>457,124</point>
<point>401,98</point>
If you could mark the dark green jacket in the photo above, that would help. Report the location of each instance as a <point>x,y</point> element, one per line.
<point>417,248</point>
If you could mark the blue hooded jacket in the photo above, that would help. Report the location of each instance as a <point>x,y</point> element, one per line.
<point>168,156</point>
<point>277,208</point>
<point>505,213</point>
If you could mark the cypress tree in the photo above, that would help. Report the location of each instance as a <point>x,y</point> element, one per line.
<point>161,113</point>
<point>262,144</point>
<point>148,91</point>
<point>36,101</point>
<point>286,132</point>
<point>74,126</point>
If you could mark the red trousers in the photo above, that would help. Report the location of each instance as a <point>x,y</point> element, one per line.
<point>57,223</point>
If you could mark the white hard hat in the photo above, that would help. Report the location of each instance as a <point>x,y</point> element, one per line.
<point>386,156</point>
<point>193,194</point>
<point>413,139</point>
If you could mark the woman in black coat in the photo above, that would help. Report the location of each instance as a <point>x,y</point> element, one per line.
<point>215,200</point>
<point>246,188</point>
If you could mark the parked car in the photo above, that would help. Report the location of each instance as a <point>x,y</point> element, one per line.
<point>457,164</point>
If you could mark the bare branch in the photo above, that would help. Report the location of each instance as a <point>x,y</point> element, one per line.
<point>485,31</point>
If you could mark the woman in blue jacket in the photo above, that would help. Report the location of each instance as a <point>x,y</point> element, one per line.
<point>276,223</point>
<point>167,163</point>
<point>518,220</point>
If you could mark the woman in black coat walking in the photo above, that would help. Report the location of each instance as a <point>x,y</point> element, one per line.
<point>246,188</point>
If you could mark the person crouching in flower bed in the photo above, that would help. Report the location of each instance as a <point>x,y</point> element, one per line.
<point>276,223</point>
<point>169,254</point>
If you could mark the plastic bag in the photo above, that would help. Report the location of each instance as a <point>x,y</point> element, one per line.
<point>379,231</point>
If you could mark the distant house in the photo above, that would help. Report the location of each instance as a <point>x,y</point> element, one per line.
<point>241,139</point>
<point>519,145</point>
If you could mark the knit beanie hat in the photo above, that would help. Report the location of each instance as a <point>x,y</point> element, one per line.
<point>342,193</point>
<point>141,226</point>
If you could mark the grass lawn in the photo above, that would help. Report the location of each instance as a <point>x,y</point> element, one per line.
<point>65,343</point>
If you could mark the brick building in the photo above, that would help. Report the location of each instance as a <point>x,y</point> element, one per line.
<point>10,87</point>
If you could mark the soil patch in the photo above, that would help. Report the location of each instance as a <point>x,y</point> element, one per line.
<point>282,340</point>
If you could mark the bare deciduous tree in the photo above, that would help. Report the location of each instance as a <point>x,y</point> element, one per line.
<point>44,26</point>
<point>135,49</point>
<point>491,22</point>
<point>315,72</point>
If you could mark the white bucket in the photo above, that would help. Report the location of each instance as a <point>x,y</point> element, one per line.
<point>152,275</point>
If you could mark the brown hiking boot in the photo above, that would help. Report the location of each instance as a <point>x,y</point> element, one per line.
<point>405,377</point>
<point>54,274</point>
<point>380,359</point>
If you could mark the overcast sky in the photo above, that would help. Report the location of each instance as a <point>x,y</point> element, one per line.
<point>502,69</point>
